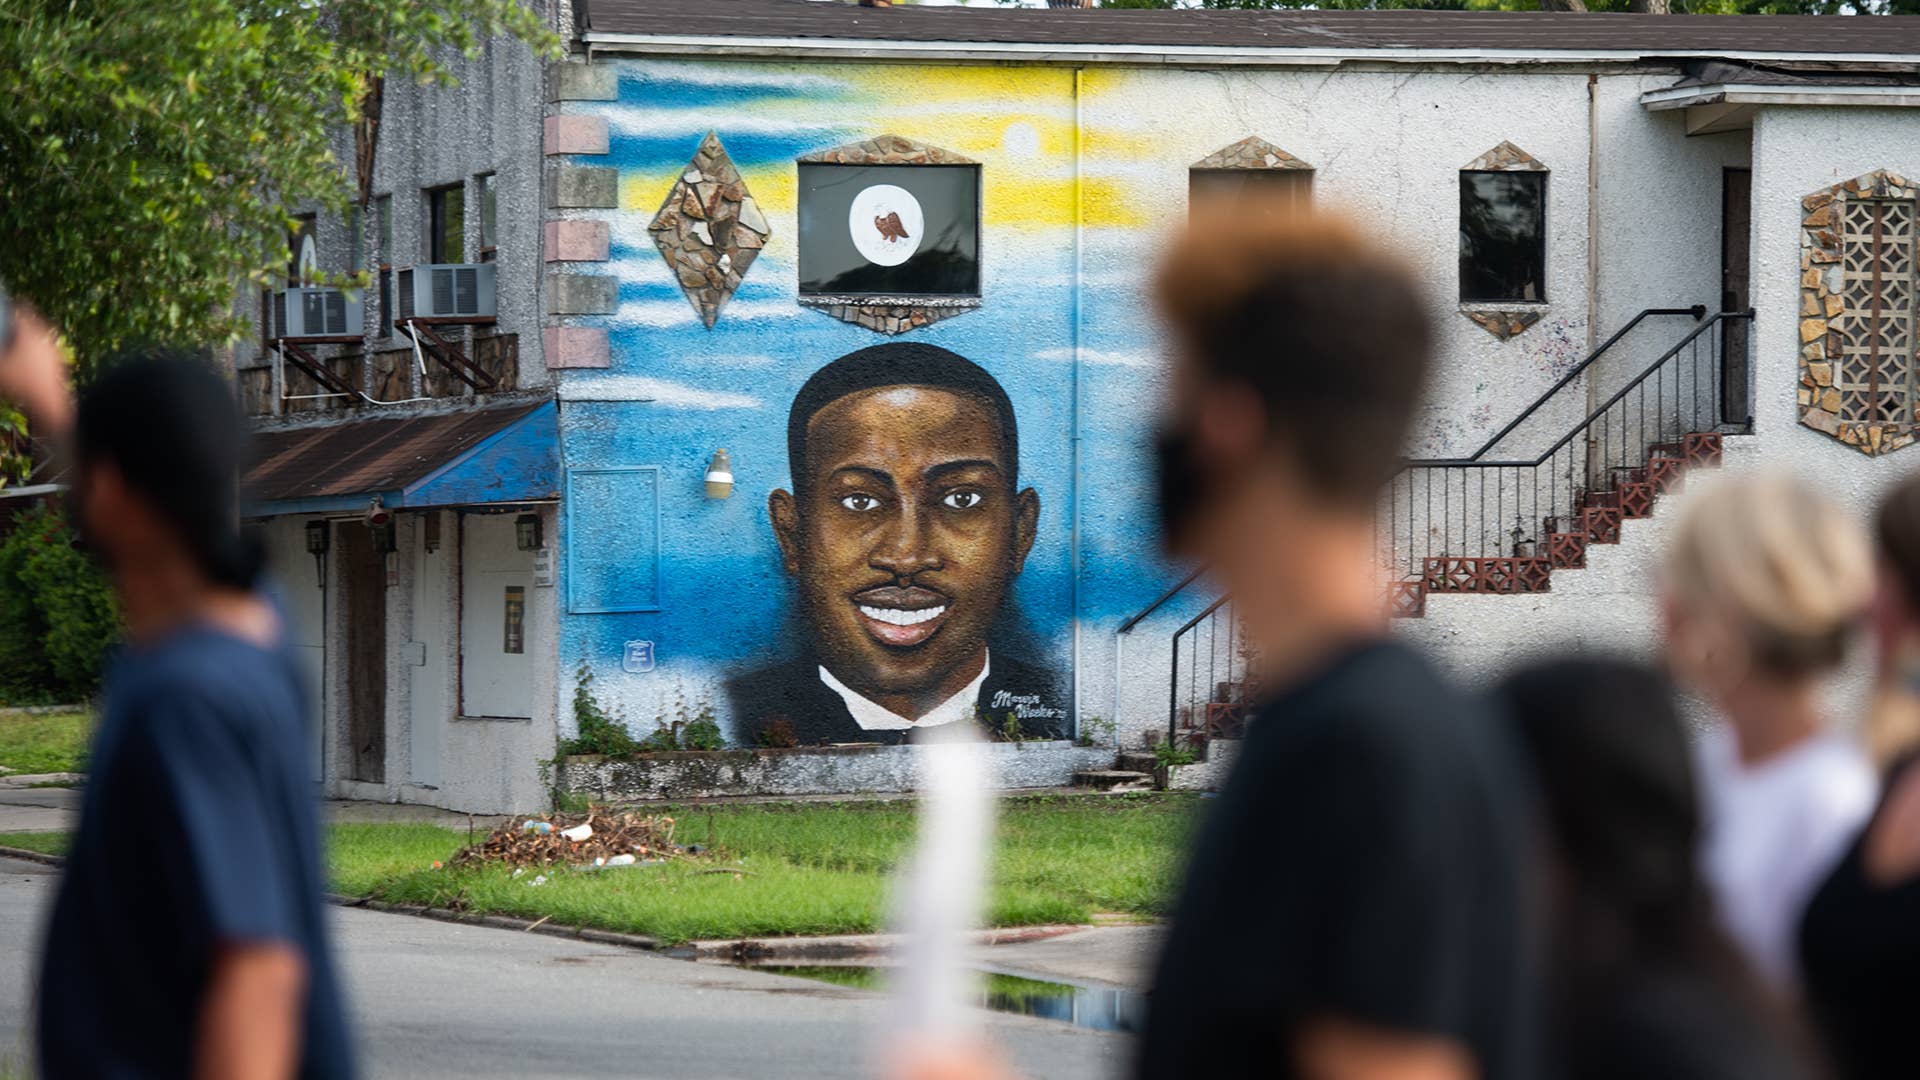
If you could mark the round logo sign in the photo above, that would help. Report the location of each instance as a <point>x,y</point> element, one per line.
<point>886,224</point>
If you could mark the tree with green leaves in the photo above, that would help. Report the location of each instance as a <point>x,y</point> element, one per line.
<point>151,154</point>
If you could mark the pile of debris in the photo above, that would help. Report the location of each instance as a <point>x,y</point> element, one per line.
<point>598,837</point>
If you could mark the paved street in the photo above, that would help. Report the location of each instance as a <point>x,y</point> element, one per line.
<point>440,1000</point>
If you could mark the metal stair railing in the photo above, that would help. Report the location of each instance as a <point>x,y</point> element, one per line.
<point>1446,516</point>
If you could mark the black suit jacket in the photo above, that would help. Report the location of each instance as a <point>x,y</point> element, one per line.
<point>791,692</point>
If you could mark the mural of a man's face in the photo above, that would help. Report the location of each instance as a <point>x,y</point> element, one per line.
<point>903,533</point>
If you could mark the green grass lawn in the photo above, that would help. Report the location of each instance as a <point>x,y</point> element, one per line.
<point>809,868</point>
<point>44,742</point>
<point>48,843</point>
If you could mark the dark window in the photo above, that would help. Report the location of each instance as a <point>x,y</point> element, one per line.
<point>489,234</point>
<point>1275,191</point>
<point>890,230</point>
<point>356,240</point>
<point>446,224</point>
<point>1503,236</point>
<point>383,227</point>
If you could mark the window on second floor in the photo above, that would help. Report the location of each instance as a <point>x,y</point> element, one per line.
<point>1503,236</point>
<point>383,228</point>
<point>489,232</point>
<point>1267,191</point>
<point>446,224</point>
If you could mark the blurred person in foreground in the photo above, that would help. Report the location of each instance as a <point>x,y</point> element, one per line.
<point>1643,982</point>
<point>189,934</point>
<point>1765,583</point>
<point>1355,904</point>
<point>1860,939</point>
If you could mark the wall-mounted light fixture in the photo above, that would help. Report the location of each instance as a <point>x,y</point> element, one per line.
<point>319,537</point>
<point>526,532</point>
<point>720,475</point>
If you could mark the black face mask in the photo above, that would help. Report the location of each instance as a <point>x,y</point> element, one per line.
<point>1182,486</point>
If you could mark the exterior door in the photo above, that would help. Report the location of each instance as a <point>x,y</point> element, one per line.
<point>1736,249</point>
<point>366,671</point>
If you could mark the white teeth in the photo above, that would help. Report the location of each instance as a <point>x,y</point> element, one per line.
<point>900,617</point>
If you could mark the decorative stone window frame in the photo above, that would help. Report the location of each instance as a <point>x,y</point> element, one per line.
<point>888,314</point>
<point>1505,319</point>
<point>1252,152</point>
<point>1826,327</point>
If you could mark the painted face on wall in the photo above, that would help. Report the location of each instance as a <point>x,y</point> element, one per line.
<point>903,535</point>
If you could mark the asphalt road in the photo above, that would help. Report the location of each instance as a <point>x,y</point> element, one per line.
<point>434,999</point>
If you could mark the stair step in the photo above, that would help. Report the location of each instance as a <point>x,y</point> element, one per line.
<point>1137,761</point>
<point>1112,779</point>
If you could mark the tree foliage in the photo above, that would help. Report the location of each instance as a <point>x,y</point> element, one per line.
<point>57,616</point>
<point>151,153</point>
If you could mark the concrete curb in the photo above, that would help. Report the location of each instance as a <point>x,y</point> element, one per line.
<point>502,922</point>
<point>854,946</point>
<point>29,855</point>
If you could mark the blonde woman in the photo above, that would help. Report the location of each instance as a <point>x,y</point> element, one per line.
<point>1765,584</point>
<point>1860,942</point>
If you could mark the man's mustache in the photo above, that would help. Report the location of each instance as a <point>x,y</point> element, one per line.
<point>915,597</point>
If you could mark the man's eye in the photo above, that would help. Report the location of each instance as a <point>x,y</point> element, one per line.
<point>859,503</point>
<point>962,500</point>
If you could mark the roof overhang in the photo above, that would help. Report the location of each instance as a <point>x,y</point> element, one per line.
<point>1730,106</point>
<point>1055,52</point>
<point>474,458</point>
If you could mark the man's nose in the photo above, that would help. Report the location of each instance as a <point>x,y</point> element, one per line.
<point>906,547</point>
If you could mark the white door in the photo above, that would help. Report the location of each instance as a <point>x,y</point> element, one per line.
<point>496,591</point>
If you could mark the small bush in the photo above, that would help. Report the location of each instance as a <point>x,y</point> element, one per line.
<point>703,732</point>
<point>777,735</point>
<point>57,615</point>
<point>598,733</point>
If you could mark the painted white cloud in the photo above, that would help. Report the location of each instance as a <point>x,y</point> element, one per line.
<point>632,120</point>
<point>659,391</point>
<point>1135,358</point>
<point>665,313</point>
<point>703,75</point>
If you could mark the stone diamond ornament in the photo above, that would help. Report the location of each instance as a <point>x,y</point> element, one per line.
<point>709,229</point>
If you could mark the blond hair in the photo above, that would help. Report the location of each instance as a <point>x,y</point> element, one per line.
<point>1790,570</point>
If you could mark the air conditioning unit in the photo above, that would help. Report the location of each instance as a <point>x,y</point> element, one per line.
<point>315,313</point>
<point>447,291</point>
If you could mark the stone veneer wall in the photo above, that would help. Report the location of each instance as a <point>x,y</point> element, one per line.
<point>1824,315</point>
<point>709,229</point>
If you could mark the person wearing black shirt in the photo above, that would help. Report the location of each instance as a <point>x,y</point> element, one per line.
<point>1860,936</point>
<point>1356,902</point>
<point>1643,982</point>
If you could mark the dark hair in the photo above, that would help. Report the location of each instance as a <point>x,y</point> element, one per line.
<point>1325,326</point>
<point>1616,784</point>
<point>171,426</point>
<point>1896,530</point>
<point>898,363</point>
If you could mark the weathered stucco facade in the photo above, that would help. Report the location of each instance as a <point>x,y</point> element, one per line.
<point>661,222</point>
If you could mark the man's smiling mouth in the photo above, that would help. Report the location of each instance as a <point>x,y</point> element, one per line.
<point>901,616</point>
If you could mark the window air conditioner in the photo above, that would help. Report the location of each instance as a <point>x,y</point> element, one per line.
<point>314,312</point>
<point>447,291</point>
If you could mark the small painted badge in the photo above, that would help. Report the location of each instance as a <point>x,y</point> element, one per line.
<point>886,224</point>
<point>638,657</point>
